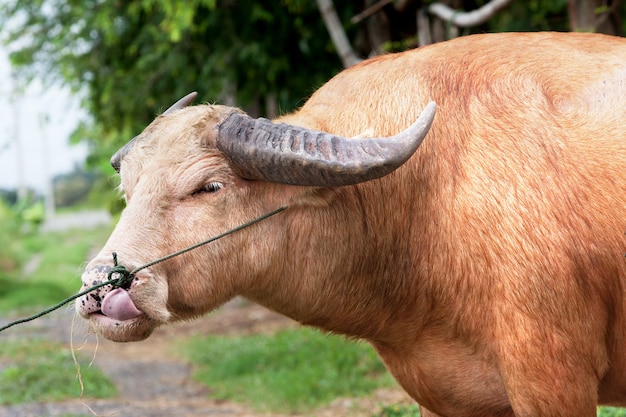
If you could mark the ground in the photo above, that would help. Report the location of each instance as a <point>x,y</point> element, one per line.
<point>154,382</point>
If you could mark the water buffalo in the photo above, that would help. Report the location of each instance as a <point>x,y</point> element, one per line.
<point>487,270</point>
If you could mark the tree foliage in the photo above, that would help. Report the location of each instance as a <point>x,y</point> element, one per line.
<point>132,59</point>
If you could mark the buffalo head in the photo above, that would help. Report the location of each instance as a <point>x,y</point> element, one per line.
<point>197,171</point>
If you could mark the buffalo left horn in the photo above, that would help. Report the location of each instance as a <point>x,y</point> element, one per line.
<point>262,150</point>
<point>116,159</point>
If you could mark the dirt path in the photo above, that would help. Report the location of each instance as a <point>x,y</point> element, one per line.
<point>153,381</point>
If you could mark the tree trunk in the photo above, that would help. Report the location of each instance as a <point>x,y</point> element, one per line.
<point>378,32</point>
<point>442,30</point>
<point>451,17</point>
<point>601,16</point>
<point>337,34</point>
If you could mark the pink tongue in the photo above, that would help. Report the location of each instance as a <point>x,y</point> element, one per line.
<point>118,305</point>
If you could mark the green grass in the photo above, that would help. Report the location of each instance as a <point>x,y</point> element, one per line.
<point>399,411</point>
<point>611,412</point>
<point>57,275</point>
<point>39,370</point>
<point>413,411</point>
<point>291,371</point>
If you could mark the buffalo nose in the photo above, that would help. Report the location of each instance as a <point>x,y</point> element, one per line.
<point>92,301</point>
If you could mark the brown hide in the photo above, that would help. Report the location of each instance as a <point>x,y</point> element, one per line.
<point>487,271</point>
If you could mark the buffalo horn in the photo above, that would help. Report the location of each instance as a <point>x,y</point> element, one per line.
<point>182,103</point>
<point>262,150</point>
<point>116,159</point>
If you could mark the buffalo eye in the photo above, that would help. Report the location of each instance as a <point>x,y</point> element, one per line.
<point>211,187</point>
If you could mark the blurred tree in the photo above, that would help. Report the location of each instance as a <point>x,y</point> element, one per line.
<point>136,57</point>
<point>601,16</point>
<point>131,59</point>
<point>74,187</point>
<point>389,25</point>
<point>8,197</point>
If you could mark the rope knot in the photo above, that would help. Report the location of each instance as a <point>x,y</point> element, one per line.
<point>124,275</point>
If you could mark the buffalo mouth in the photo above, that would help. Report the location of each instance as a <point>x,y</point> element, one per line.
<point>118,305</point>
<point>112,312</point>
<point>119,327</point>
<point>130,330</point>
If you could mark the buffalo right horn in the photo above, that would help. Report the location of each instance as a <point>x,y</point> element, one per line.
<point>262,150</point>
<point>116,159</point>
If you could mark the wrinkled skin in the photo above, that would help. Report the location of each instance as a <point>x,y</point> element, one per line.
<point>487,271</point>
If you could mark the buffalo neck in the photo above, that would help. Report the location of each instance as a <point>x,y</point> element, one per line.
<point>351,273</point>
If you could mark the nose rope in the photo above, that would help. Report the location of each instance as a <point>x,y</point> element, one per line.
<point>125,277</point>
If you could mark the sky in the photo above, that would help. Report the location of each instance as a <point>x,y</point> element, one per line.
<point>41,119</point>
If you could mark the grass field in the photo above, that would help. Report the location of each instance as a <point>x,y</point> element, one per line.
<point>40,370</point>
<point>294,370</point>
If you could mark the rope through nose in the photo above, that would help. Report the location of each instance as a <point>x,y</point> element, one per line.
<point>125,277</point>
